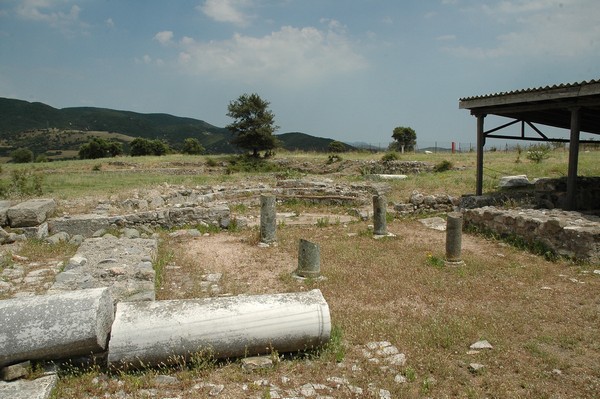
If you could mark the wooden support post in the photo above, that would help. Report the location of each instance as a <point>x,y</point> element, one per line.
<point>571,202</point>
<point>480,144</point>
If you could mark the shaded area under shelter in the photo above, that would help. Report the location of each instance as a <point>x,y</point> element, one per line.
<point>573,106</point>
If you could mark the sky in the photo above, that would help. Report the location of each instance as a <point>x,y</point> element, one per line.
<point>349,70</point>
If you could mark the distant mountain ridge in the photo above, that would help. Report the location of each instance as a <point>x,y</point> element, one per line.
<point>42,128</point>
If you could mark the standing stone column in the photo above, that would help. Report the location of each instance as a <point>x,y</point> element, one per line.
<point>268,219</point>
<point>309,259</point>
<point>379,215</point>
<point>454,238</point>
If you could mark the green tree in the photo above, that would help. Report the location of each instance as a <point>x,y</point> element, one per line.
<point>337,146</point>
<point>22,155</point>
<point>159,147</point>
<point>98,147</point>
<point>192,146</point>
<point>140,146</point>
<point>253,125</point>
<point>405,137</point>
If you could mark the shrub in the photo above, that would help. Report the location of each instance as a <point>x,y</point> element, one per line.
<point>211,162</point>
<point>333,158</point>
<point>22,155</point>
<point>390,156</point>
<point>41,158</point>
<point>537,153</point>
<point>192,146</point>
<point>98,147</point>
<point>443,166</point>
<point>337,146</point>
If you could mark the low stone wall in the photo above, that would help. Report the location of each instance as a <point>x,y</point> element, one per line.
<point>421,203</point>
<point>541,193</point>
<point>569,234</point>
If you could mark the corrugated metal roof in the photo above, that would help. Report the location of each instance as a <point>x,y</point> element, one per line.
<point>533,90</point>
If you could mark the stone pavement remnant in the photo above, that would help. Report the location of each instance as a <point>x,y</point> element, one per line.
<point>55,326</point>
<point>30,213</point>
<point>123,264</point>
<point>159,332</point>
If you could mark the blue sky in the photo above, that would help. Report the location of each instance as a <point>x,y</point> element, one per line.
<point>350,70</point>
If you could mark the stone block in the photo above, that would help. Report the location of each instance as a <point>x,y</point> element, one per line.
<point>4,205</point>
<point>30,213</point>
<point>218,214</point>
<point>15,371</point>
<point>40,388</point>
<point>55,326</point>
<point>84,225</point>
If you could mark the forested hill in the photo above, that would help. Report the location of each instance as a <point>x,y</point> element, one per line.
<point>41,127</point>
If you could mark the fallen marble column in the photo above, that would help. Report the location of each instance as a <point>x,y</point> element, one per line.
<point>55,326</point>
<point>163,332</point>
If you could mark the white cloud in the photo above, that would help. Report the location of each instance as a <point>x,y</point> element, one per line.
<point>227,11</point>
<point>53,13</point>
<point>289,56</point>
<point>565,28</point>
<point>110,23</point>
<point>164,37</point>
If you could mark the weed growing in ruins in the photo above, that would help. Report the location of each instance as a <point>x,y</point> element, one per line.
<point>323,222</point>
<point>163,257</point>
<point>38,250</point>
<point>435,261</point>
<point>443,166</point>
<point>390,156</point>
<point>239,208</point>
<point>23,183</point>
<point>335,348</point>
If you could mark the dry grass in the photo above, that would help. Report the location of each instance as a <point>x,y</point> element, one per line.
<point>541,317</point>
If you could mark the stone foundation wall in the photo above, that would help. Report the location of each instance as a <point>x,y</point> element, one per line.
<point>569,234</point>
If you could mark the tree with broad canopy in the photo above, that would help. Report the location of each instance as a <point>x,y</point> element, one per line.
<point>253,125</point>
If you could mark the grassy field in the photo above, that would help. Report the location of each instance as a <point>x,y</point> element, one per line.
<point>541,317</point>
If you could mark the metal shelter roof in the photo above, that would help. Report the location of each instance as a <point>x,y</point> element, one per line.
<point>550,105</point>
<point>573,106</point>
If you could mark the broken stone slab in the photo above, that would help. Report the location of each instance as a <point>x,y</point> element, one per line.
<point>55,326</point>
<point>257,363</point>
<point>514,181</point>
<point>435,223</point>
<point>387,177</point>
<point>481,345</point>
<point>162,332</point>
<point>40,388</point>
<point>30,213</point>
<point>15,371</point>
